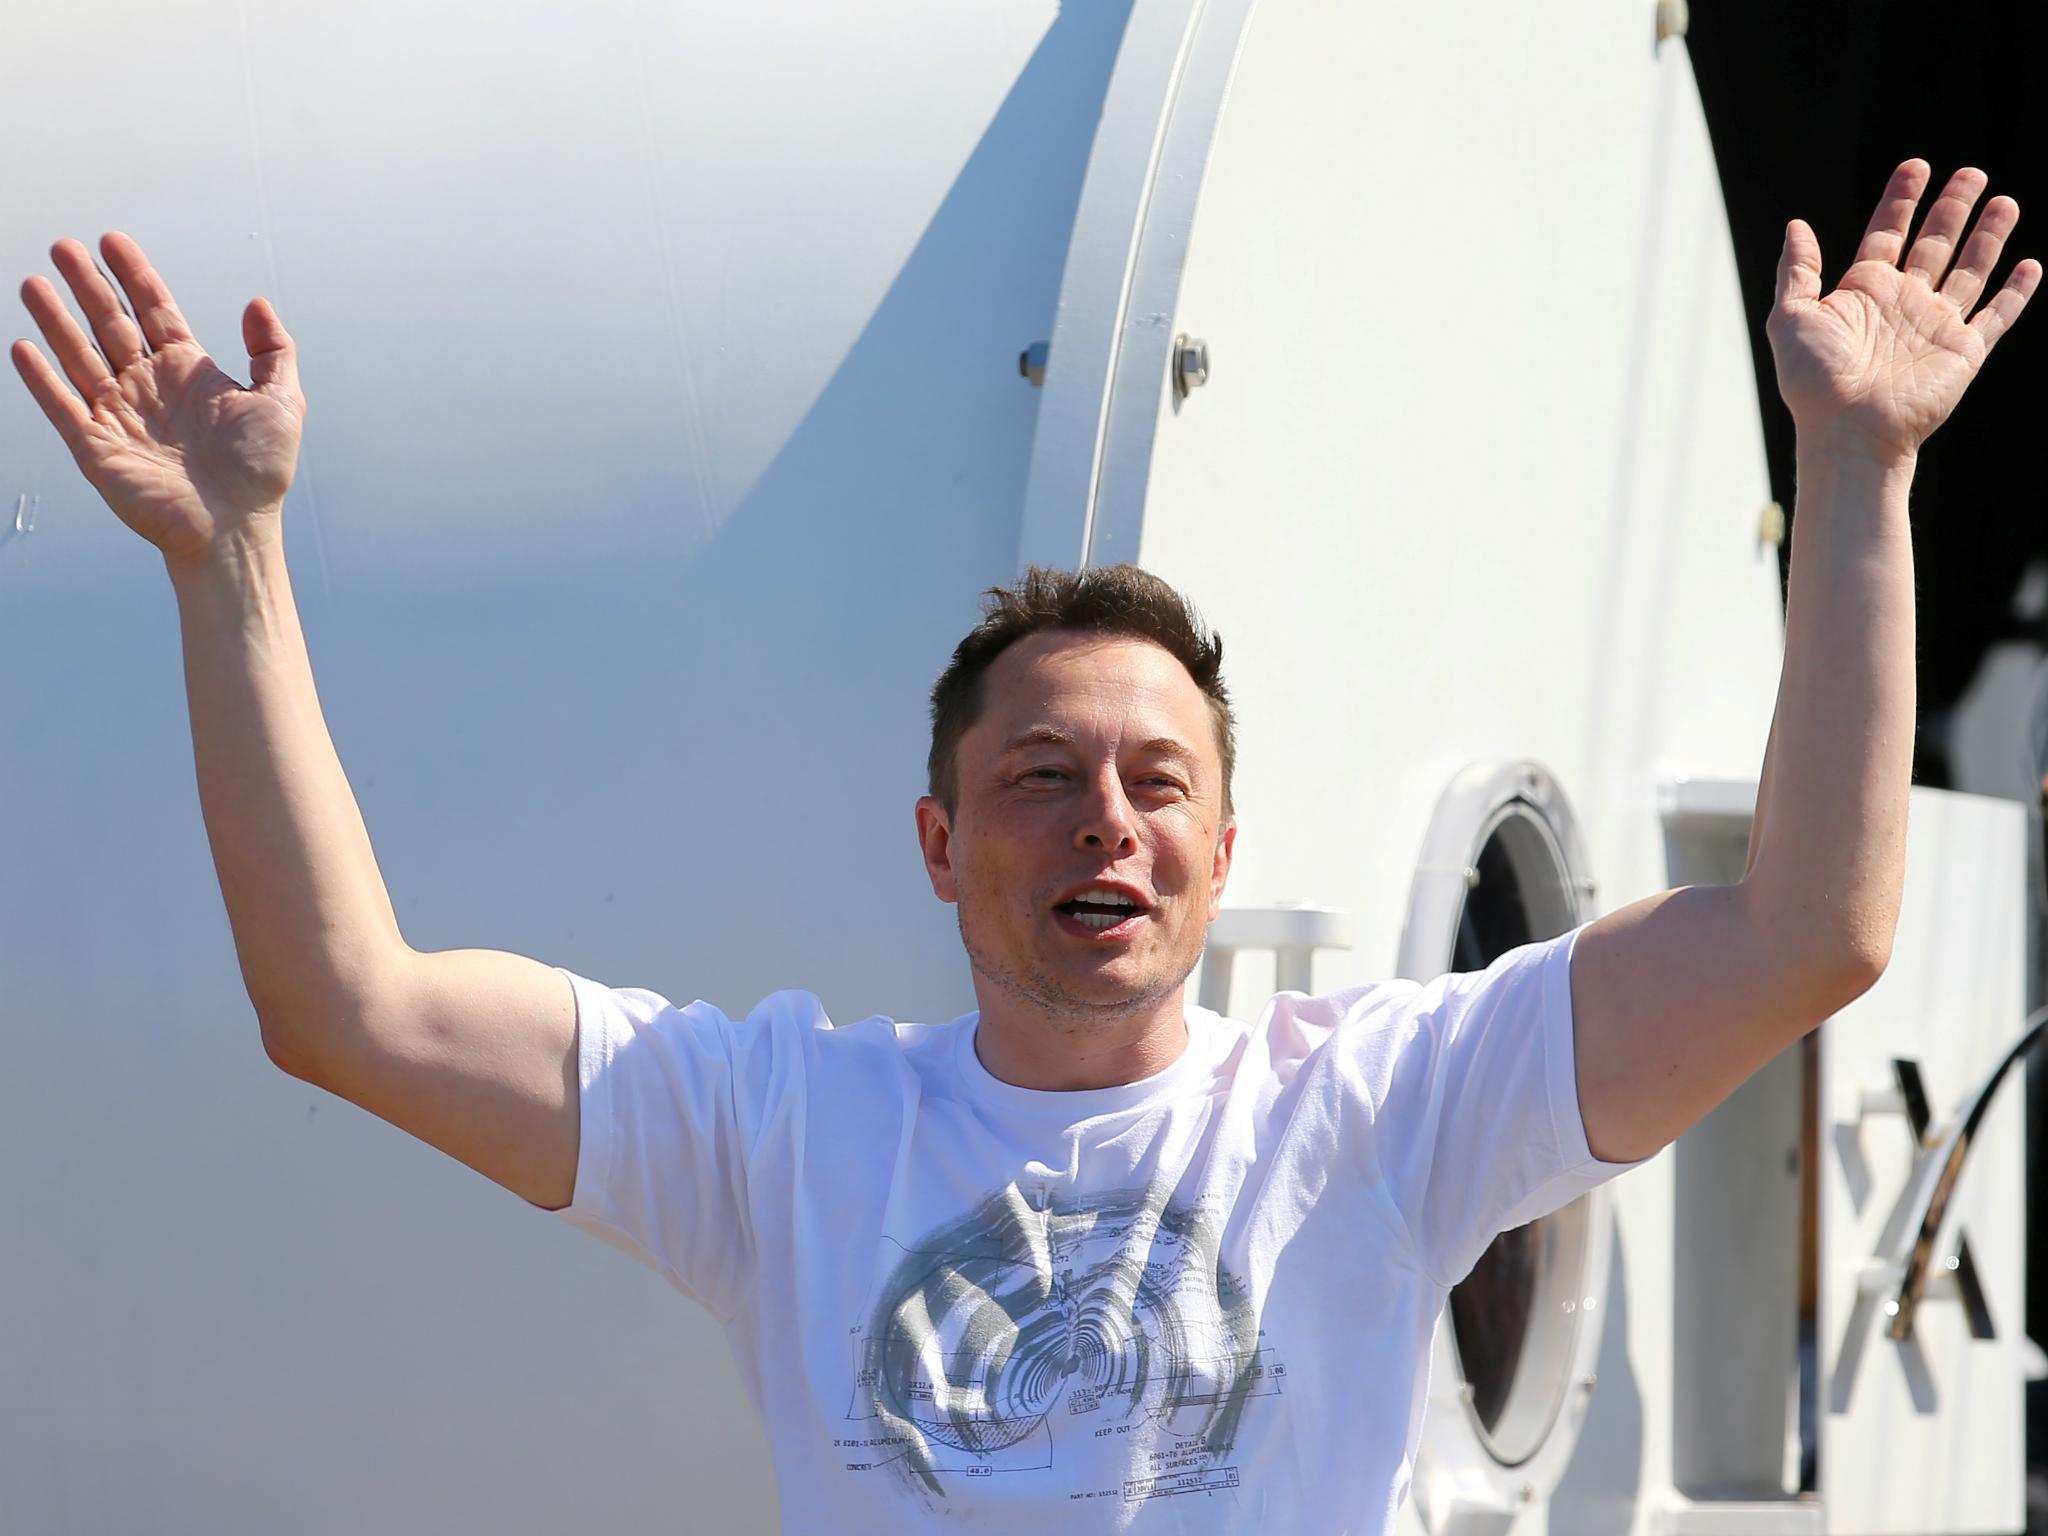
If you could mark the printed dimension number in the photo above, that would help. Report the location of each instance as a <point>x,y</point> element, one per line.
<point>1198,1480</point>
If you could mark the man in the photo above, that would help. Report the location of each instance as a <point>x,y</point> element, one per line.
<point>1102,1243</point>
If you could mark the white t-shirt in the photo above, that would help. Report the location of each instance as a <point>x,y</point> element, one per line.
<point>1200,1302</point>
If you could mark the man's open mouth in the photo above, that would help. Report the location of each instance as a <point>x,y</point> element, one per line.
<point>1100,909</point>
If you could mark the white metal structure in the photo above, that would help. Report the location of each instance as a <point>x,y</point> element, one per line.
<point>665,424</point>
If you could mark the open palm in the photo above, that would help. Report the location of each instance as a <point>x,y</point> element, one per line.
<point>1879,363</point>
<point>184,454</point>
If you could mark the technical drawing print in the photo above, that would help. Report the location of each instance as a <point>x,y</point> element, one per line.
<point>1042,1321</point>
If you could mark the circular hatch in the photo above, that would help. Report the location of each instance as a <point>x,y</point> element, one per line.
<point>1511,1368</point>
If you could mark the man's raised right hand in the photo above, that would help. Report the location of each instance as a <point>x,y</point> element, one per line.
<point>184,455</point>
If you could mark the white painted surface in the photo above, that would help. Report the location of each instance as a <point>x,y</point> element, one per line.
<point>1141,173</point>
<point>1929,1434</point>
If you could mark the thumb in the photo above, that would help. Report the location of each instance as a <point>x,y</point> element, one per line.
<point>1798,265</point>
<point>273,360</point>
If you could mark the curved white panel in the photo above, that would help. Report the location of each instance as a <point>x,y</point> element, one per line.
<point>1124,268</point>
<point>665,423</point>
<point>1477,469</point>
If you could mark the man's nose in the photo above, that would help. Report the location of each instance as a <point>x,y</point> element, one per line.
<point>1108,820</point>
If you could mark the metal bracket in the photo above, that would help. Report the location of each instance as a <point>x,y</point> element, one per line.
<point>1919,1266</point>
<point>1906,1096</point>
<point>1905,1270</point>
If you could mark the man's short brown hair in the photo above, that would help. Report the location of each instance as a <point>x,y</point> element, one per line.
<point>1109,600</point>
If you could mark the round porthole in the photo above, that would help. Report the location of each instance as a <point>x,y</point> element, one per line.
<point>1503,866</point>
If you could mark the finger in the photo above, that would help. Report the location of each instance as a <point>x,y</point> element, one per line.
<point>1997,316</point>
<point>1973,268</point>
<point>1798,264</point>
<point>1942,230</point>
<point>1886,235</point>
<point>273,360</point>
<point>120,338</point>
<point>155,310</point>
<point>81,362</point>
<point>66,411</point>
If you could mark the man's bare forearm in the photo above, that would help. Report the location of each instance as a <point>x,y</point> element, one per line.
<point>313,923</point>
<point>1828,861</point>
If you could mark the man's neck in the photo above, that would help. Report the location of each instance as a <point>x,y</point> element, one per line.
<point>1032,1047</point>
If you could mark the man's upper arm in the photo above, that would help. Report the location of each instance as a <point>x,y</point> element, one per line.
<point>474,1052</point>
<point>1678,999</point>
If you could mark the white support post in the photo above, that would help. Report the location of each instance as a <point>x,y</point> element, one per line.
<point>1294,931</point>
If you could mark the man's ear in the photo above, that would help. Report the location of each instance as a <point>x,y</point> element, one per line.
<point>935,839</point>
<point>1226,845</point>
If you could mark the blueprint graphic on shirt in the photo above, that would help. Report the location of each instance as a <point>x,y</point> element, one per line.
<point>1043,1310</point>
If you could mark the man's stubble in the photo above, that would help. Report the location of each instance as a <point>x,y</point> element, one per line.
<point>1046,993</point>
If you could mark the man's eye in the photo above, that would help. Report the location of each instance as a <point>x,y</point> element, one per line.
<point>1048,774</point>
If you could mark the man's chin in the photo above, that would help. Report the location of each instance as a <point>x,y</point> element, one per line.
<point>1110,986</point>
<point>1104,984</point>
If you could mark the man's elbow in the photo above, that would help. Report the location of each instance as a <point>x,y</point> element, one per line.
<point>1869,958</point>
<point>311,1031</point>
<point>285,1047</point>
<point>1848,966</point>
<point>306,1040</point>
<point>1821,958</point>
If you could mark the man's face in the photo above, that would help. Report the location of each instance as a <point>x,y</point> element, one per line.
<point>1087,850</point>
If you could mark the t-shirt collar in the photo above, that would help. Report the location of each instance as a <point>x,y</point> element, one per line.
<point>1196,1059</point>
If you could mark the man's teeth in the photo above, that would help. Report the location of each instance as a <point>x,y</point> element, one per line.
<point>1099,909</point>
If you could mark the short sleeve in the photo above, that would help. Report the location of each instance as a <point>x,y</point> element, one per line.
<point>671,1102</point>
<point>1479,1128</point>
